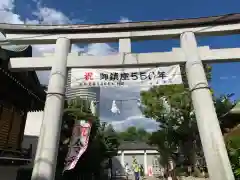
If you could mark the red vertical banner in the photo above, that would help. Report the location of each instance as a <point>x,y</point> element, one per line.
<point>78,144</point>
<point>150,171</point>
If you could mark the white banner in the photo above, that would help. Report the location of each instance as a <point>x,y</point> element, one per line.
<point>78,144</point>
<point>127,77</point>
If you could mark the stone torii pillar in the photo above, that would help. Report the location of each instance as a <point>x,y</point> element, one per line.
<point>215,153</point>
<point>47,149</point>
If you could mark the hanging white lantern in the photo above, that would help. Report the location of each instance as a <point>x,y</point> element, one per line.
<point>115,109</point>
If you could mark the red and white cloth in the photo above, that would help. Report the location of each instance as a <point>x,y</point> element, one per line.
<point>78,144</point>
<point>150,171</point>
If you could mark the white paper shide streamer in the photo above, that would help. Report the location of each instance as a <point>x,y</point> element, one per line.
<point>115,109</point>
<point>78,144</point>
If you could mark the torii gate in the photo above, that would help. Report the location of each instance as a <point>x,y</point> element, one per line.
<point>213,145</point>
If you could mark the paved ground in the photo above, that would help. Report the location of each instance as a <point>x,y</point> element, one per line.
<point>193,178</point>
<point>142,178</point>
<point>131,177</point>
<point>154,178</point>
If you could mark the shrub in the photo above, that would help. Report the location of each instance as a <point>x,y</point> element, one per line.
<point>233,147</point>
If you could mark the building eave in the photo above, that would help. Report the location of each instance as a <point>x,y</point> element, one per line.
<point>233,113</point>
<point>13,48</point>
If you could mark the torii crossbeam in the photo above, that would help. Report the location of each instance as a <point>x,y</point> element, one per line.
<point>131,60</point>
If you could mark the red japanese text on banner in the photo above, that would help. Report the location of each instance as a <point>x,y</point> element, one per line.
<point>78,144</point>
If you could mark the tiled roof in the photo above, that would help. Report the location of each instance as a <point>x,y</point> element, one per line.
<point>136,146</point>
<point>236,109</point>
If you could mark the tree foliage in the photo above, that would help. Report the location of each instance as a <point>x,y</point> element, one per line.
<point>103,141</point>
<point>172,107</point>
<point>177,123</point>
<point>134,134</point>
<point>233,146</point>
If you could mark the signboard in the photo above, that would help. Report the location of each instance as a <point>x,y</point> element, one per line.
<point>78,144</point>
<point>126,77</point>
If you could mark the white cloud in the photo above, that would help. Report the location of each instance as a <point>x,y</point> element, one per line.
<point>51,16</point>
<point>124,19</point>
<point>7,5</point>
<point>227,77</point>
<point>100,49</point>
<point>136,121</point>
<point>130,114</point>
<point>6,12</point>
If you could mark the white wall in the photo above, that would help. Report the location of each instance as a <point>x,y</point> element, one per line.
<point>32,130</point>
<point>33,123</point>
<point>126,157</point>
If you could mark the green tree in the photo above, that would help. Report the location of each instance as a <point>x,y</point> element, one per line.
<point>179,121</point>
<point>166,144</point>
<point>171,106</point>
<point>103,141</point>
<point>134,134</point>
<point>233,146</point>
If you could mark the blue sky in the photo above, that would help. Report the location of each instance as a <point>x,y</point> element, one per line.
<point>95,11</point>
<point>225,76</point>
